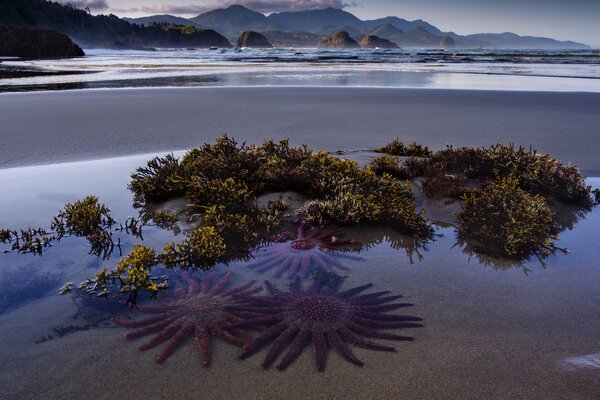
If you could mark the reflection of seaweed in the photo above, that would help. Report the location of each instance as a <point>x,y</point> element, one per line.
<point>94,311</point>
<point>495,262</point>
<point>371,237</point>
<point>17,287</point>
<point>325,317</point>
<point>83,218</point>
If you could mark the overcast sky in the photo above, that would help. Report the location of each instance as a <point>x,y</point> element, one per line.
<point>567,20</point>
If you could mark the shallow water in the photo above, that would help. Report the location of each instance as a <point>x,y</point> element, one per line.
<point>574,71</point>
<point>493,333</point>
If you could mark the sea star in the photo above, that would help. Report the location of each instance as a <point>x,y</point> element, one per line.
<point>325,318</point>
<point>201,310</point>
<point>295,254</point>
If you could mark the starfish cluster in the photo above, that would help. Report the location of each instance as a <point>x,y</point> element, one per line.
<point>321,315</point>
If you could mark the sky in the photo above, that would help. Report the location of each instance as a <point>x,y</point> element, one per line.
<point>577,20</point>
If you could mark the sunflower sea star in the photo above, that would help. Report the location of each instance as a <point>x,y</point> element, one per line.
<point>201,310</point>
<point>295,254</point>
<point>324,317</point>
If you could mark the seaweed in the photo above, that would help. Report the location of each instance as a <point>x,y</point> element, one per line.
<point>389,165</point>
<point>82,218</point>
<point>397,148</point>
<point>505,219</point>
<point>157,181</point>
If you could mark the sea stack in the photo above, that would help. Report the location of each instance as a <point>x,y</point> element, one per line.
<point>340,40</point>
<point>447,43</point>
<point>372,42</point>
<point>36,43</point>
<point>253,39</point>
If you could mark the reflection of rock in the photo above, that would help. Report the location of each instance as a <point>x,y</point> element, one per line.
<point>372,41</point>
<point>36,43</point>
<point>340,40</point>
<point>253,39</point>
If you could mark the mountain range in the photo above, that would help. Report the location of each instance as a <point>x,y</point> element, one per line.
<point>222,26</point>
<point>236,19</point>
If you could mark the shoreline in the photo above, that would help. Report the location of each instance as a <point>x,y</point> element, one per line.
<point>106,123</point>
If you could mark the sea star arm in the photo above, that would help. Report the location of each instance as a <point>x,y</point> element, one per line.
<point>320,348</point>
<point>175,341</point>
<point>335,341</point>
<point>279,344</point>
<point>218,287</point>
<point>298,344</point>
<point>151,328</point>
<point>350,337</point>
<point>165,334</point>
<point>373,333</point>
<point>203,343</point>
<point>354,291</point>
<point>263,338</point>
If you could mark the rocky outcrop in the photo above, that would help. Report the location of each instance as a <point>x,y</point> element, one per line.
<point>36,43</point>
<point>372,42</point>
<point>253,39</point>
<point>340,40</point>
<point>447,43</point>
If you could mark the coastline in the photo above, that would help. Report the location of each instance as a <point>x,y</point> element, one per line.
<point>58,127</point>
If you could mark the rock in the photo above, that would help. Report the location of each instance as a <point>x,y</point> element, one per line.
<point>253,39</point>
<point>36,43</point>
<point>372,41</point>
<point>447,43</point>
<point>340,40</point>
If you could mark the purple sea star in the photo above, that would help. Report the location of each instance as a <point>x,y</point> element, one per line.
<point>325,318</point>
<point>202,310</point>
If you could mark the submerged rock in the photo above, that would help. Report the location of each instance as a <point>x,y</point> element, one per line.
<point>340,40</point>
<point>36,43</point>
<point>372,41</point>
<point>253,39</point>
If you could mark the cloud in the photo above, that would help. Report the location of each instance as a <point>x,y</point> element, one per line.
<point>93,5</point>
<point>264,6</point>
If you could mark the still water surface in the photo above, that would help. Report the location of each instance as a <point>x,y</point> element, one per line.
<point>493,332</point>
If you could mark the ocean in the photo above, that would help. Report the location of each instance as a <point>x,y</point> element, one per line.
<point>460,69</point>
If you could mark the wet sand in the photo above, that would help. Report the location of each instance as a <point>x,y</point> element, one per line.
<point>50,127</point>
